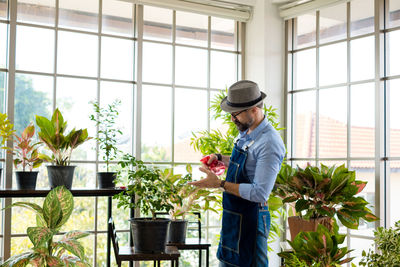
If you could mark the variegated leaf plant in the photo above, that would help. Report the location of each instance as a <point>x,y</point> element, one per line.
<point>56,210</point>
<point>324,191</point>
<point>53,135</point>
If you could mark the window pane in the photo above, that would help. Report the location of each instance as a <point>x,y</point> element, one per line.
<point>305,65</point>
<point>333,123</point>
<point>365,171</point>
<point>362,17</point>
<point>191,28</point>
<point>83,213</point>
<point>77,54</point>
<point>304,124</point>
<point>216,123</point>
<point>333,23</point>
<point>301,163</point>
<point>117,17</point>
<point>23,218</point>
<point>394,119</point>
<point>223,69</point>
<point>306,29</point>
<point>362,58</point>
<point>73,96</point>
<point>394,9</point>
<point>3,44</point>
<point>394,191</point>
<point>191,66</point>
<point>362,113</point>
<point>190,116</point>
<point>394,53</point>
<point>156,146</point>
<point>157,23</point>
<point>333,61</point>
<point>3,9</point>
<point>37,11</point>
<point>39,54</point>
<point>157,63</point>
<point>81,15</point>
<point>223,33</point>
<point>116,58</point>
<point>20,244</point>
<point>110,91</point>
<point>359,244</point>
<point>3,77</point>
<point>33,96</point>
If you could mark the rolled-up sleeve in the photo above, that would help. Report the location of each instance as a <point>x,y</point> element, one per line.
<point>269,158</point>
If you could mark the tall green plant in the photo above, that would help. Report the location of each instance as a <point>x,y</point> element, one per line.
<point>388,252</point>
<point>57,208</point>
<point>52,134</point>
<point>145,182</point>
<point>208,142</point>
<point>105,119</point>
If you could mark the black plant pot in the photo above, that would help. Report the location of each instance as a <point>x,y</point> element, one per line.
<point>106,179</point>
<point>149,236</point>
<point>26,180</point>
<point>60,175</point>
<point>177,231</point>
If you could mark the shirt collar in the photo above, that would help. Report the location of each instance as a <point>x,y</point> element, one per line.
<point>264,123</point>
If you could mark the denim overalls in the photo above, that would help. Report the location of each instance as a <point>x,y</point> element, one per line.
<point>240,223</point>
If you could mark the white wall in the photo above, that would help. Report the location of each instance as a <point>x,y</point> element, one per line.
<point>264,64</point>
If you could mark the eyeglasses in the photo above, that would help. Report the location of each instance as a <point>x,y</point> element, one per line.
<point>237,113</point>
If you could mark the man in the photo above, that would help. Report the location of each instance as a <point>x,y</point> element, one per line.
<point>252,169</point>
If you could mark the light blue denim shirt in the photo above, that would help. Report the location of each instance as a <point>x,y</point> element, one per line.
<point>263,163</point>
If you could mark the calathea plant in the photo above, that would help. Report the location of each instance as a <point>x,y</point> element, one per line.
<point>53,134</point>
<point>47,250</point>
<point>317,249</point>
<point>325,191</point>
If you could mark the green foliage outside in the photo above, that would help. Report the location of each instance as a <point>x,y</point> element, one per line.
<point>57,209</point>
<point>214,141</point>
<point>388,248</point>
<point>317,249</point>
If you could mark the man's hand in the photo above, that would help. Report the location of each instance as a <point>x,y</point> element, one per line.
<point>211,181</point>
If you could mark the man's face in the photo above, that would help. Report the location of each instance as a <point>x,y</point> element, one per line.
<point>242,119</point>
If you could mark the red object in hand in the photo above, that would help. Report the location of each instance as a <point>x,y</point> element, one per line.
<point>216,166</point>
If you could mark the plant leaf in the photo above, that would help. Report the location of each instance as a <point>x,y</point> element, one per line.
<point>39,235</point>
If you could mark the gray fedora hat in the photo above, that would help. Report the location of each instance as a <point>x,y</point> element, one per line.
<point>242,95</point>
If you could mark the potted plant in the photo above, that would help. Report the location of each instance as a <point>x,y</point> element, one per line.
<point>6,131</point>
<point>47,251</point>
<point>107,137</point>
<point>26,155</point>
<point>149,234</point>
<point>317,249</point>
<point>319,194</point>
<point>61,144</point>
<point>184,199</point>
<point>387,242</point>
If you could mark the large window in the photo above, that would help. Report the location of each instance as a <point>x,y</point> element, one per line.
<point>343,79</point>
<point>164,65</point>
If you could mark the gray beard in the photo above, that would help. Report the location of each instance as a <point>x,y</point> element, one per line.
<point>243,126</point>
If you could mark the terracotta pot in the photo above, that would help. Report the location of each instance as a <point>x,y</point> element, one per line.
<point>297,224</point>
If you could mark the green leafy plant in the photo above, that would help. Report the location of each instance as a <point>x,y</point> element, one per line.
<point>325,191</point>
<point>317,249</point>
<point>25,153</point>
<point>208,142</point>
<point>6,129</point>
<point>52,134</point>
<point>105,119</point>
<point>152,192</point>
<point>186,198</point>
<point>388,248</point>
<point>56,210</point>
